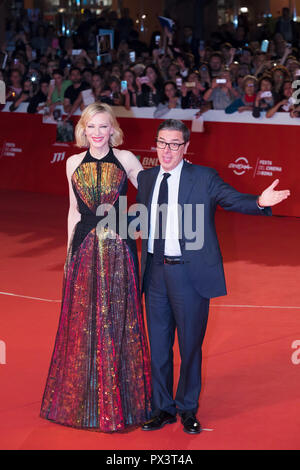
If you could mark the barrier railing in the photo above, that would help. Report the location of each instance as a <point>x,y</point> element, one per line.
<point>248,153</point>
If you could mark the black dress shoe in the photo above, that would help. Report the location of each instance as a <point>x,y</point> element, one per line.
<point>190,423</point>
<point>162,418</point>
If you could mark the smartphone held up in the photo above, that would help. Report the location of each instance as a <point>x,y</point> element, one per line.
<point>123,86</point>
<point>264,45</point>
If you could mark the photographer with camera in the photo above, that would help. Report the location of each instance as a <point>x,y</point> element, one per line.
<point>192,93</point>
<point>115,97</point>
<point>264,99</point>
<point>25,95</point>
<point>286,103</point>
<point>149,87</point>
<point>38,101</point>
<point>221,93</point>
<point>14,87</point>
<point>129,88</point>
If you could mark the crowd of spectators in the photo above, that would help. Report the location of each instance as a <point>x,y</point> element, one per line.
<point>236,70</point>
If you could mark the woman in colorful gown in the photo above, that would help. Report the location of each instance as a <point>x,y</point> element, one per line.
<point>99,376</point>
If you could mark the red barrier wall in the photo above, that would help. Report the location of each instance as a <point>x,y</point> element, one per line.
<point>248,156</point>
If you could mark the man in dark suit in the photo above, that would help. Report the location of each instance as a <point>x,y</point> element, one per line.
<point>181,269</point>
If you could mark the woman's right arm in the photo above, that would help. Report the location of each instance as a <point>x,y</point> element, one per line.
<point>234,106</point>
<point>185,100</point>
<point>70,109</point>
<point>73,214</point>
<point>208,92</point>
<point>17,102</point>
<point>50,93</point>
<point>270,113</point>
<point>140,95</point>
<point>126,98</point>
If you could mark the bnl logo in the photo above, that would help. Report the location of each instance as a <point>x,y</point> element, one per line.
<point>58,157</point>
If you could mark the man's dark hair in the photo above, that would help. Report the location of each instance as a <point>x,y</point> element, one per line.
<point>87,69</point>
<point>58,72</point>
<point>75,68</point>
<point>175,125</point>
<point>267,78</point>
<point>45,80</point>
<point>217,54</point>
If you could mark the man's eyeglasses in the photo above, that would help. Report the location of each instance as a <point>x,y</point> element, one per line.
<point>172,145</point>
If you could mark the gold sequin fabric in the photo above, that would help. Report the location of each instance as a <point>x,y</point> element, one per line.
<point>99,376</point>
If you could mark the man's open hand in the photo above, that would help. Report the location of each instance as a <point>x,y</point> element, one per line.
<point>270,197</point>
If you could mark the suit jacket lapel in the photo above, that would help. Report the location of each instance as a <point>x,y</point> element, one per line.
<point>186,183</point>
<point>151,183</point>
<point>185,186</point>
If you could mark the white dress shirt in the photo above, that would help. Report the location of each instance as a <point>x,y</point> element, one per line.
<point>172,246</point>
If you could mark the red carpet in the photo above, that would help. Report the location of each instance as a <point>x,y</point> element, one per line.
<point>250,397</point>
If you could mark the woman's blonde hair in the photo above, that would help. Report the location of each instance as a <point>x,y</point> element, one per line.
<point>88,113</point>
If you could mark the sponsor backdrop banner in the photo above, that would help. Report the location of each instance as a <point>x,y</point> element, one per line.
<point>247,156</point>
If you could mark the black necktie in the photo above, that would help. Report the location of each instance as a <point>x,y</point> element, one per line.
<point>161,220</point>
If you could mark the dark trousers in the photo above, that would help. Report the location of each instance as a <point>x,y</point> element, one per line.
<point>172,302</point>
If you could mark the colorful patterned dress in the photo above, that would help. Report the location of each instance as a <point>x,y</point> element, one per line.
<point>99,375</point>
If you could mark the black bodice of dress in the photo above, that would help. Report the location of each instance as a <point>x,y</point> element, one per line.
<point>96,182</point>
<point>103,178</point>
